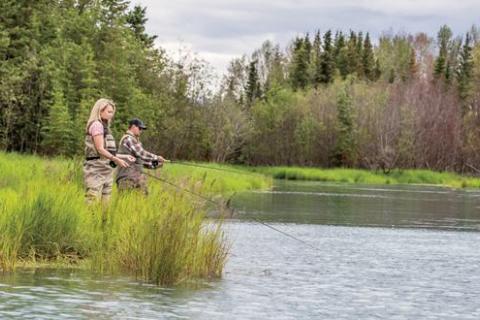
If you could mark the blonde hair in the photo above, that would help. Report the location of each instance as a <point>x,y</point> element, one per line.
<point>98,107</point>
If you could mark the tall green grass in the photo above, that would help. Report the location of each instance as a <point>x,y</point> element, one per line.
<point>41,217</point>
<point>163,246</point>
<point>163,238</point>
<point>397,176</point>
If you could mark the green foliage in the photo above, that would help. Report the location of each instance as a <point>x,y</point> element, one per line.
<point>274,106</point>
<point>275,123</point>
<point>85,51</point>
<point>394,57</point>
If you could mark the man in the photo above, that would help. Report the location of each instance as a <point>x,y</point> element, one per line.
<point>132,177</point>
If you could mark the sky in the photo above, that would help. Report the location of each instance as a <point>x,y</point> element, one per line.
<point>219,31</point>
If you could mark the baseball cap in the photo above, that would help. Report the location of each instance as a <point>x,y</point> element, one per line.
<point>137,122</point>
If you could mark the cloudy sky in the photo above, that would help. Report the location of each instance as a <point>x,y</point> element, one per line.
<point>221,30</point>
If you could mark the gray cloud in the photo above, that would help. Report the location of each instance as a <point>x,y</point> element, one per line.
<point>220,30</point>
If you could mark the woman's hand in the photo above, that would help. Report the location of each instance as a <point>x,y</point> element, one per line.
<point>119,162</point>
<point>127,157</point>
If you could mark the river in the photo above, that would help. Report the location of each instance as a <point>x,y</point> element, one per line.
<point>352,252</point>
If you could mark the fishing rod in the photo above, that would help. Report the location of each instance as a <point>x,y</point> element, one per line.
<point>231,209</point>
<point>183,163</point>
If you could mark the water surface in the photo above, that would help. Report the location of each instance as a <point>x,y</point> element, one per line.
<point>396,252</point>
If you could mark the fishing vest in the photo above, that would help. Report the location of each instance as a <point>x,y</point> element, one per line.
<point>91,152</point>
<point>134,171</point>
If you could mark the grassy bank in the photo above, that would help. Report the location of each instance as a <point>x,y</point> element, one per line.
<point>217,178</point>
<point>396,176</point>
<point>251,176</point>
<point>163,238</point>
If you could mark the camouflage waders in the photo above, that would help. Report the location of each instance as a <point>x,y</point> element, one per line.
<point>131,178</point>
<point>98,178</point>
<point>97,172</point>
<point>139,183</point>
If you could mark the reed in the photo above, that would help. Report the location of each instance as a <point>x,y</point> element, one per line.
<point>159,245</point>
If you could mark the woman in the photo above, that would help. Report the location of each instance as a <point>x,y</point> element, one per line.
<point>100,152</point>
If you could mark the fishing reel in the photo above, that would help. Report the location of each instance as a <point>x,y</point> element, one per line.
<point>113,151</point>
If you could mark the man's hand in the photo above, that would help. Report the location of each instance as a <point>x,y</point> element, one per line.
<point>159,163</point>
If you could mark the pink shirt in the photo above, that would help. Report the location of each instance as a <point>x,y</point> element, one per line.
<point>96,128</point>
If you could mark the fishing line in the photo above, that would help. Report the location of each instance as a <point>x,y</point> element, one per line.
<point>212,168</point>
<point>182,189</point>
<point>232,210</point>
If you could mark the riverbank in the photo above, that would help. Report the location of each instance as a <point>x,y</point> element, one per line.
<point>340,175</point>
<point>396,176</point>
<point>163,238</point>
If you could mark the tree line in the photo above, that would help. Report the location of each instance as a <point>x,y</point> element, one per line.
<point>331,98</point>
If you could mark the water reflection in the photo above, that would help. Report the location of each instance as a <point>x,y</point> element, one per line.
<point>340,204</point>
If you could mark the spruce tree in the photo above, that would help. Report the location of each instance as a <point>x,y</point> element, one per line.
<point>113,11</point>
<point>57,132</point>
<point>352,57</point>
<point>252,91</point>
<point>359,53</point>
<point>338,44</point>
<point>341,55</point>
<point>441,63</point>
<point>316,59</point>
<point>308,48</point>
<point>465,72</point>
<point>368,59</point>
<point>327,64</point>
<point>136,18</point>
<point>299,75</point>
